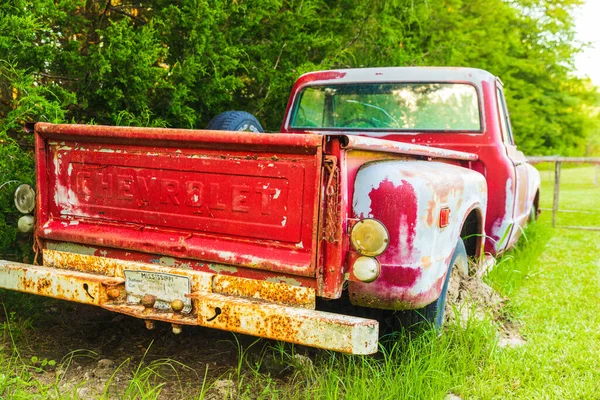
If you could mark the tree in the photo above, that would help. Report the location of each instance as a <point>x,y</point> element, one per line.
<point>178,63</point>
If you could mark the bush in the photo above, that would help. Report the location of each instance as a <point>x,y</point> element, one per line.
<point>179,63</point>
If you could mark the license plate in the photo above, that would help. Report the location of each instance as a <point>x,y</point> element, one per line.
<point>165,287</point>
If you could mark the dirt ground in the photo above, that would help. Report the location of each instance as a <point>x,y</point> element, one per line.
<point>92,350</point>
<point>470,297</point>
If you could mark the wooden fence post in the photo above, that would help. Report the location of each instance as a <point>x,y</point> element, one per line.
<point>556,190</point>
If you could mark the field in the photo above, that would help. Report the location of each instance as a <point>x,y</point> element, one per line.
<point>551,281</point>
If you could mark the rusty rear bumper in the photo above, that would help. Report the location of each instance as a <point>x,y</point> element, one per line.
<point>271,310</point>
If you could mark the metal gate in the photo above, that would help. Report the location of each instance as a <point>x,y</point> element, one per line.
<point>558,161</point>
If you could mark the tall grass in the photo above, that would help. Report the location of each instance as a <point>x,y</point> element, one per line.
<point>425,366</point>
<point>513,267</point>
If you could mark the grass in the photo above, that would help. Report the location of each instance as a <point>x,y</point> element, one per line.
<point>552,280</point>
<point>578,196</point>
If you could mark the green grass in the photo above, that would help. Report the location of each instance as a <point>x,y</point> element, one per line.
<point>552,280</point>
<point>578,196</point>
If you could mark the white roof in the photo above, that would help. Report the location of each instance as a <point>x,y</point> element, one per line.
<point>404,74</point>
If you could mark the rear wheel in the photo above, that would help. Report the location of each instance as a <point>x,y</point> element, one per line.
<point>458,266</point>
<point>235,121</point>
<point>432,314</point>
<point>533,213</point>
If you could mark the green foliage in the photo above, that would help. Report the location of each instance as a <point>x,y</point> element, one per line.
<point>15,166</point>
<point>179,63</point>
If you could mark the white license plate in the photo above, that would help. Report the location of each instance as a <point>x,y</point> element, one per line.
<point>165,287</point>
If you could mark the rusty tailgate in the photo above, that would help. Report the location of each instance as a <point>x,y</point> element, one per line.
<point>241,199</point>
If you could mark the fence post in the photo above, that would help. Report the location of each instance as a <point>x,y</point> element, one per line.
<point>596,175</point>
<point>556,190</point>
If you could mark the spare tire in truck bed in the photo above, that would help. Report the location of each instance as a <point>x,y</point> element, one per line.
<point>235,121</point>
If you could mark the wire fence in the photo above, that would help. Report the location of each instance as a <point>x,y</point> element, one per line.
<point>556,163</point>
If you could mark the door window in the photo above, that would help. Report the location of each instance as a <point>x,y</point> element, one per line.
<point>504,120</point>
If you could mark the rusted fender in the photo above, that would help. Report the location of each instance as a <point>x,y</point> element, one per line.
<point>407,197</point>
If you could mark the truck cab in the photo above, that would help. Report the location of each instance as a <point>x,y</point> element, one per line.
<point>462,109</point>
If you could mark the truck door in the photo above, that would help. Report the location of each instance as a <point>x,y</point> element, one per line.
<point>519,162</point>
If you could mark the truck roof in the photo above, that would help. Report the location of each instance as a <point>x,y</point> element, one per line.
<point>399,74</point>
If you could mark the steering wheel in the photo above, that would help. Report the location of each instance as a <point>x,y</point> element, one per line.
<point>349,123</point>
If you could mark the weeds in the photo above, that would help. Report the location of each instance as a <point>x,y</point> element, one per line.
<point>147,379</point>
<point>515,266</point>
<point>424,366</point>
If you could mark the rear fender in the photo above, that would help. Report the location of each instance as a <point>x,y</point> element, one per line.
<point>407,196</point>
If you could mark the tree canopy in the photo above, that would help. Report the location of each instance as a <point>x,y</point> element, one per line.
<point>177,63</point>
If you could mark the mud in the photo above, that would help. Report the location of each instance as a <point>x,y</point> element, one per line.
<point>470,297</point>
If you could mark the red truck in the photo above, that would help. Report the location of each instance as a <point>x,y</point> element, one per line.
<point>381,182</point>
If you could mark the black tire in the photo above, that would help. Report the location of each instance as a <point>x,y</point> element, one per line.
<point>235,121</point>
<point>435,311</point>
<point>432,314</point>
<point>533,214</point>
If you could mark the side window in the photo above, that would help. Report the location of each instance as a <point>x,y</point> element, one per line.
<point>504,121</point>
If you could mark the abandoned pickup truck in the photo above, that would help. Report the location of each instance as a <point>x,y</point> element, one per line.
<point>381,182</point>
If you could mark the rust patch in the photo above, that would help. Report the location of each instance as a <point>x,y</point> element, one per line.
<point>282,326</point>
<point>249,315</point>
<point>43,284</point>
<point>426,262</point>
<point>227,318</point>
<point>431,208</point>
<point>26,284</point>
<point>80,262</point>
<point>290,324</point>
<point>269,291</point>
<point>137,311</point>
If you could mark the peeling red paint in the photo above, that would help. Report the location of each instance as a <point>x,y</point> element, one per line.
<point>248,200</point>
<point>272,208</point>
<point>399,276</point>
<point>397,206</point>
